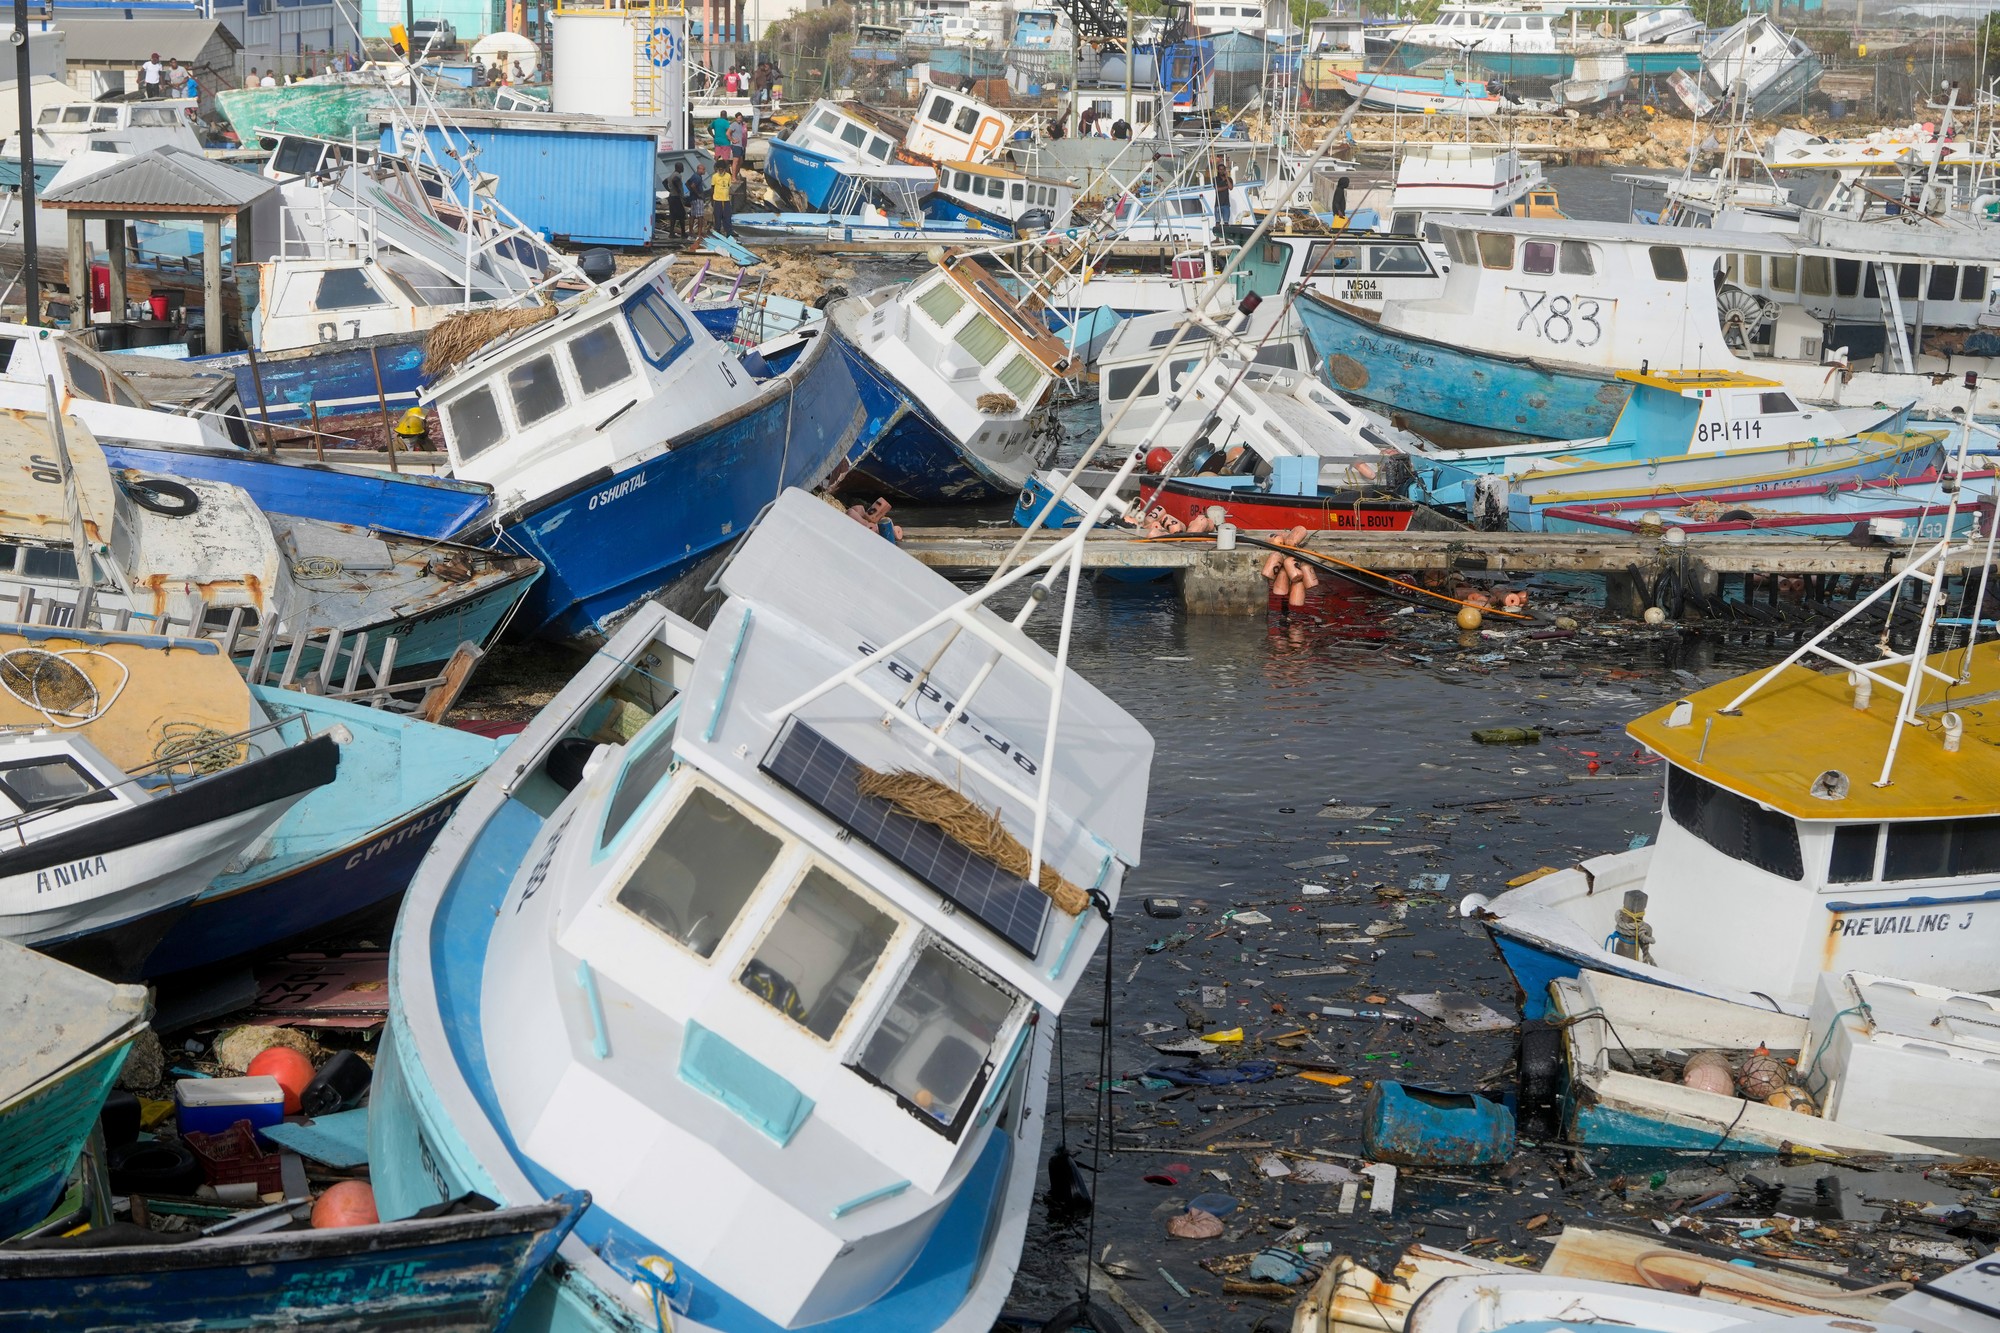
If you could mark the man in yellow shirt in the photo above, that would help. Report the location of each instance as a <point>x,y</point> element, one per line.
<point>719,196</point>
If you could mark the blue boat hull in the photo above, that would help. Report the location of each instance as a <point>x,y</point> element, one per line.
<point>346,848</point>
<point>466,1271</point>
<point>416,1156</point>
<point>1456,396</point>
<point>613,540</point>
<point>414,505</point>
<point>810,176</point>
<point>336,378</point>
<point>40,1139</point>
<point>913,459</point>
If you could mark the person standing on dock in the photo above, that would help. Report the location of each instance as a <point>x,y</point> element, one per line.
<point>697,199</point>
<point>149,76</point>
<point>718,134</point>
<point>677,205</point>
<point>724,182</point>
<point>739,139</point>
<point>1223,185</point>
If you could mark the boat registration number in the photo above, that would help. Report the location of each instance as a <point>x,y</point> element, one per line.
<point>1567,321</point>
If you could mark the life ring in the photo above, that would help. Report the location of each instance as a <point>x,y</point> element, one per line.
<point>168,498</point>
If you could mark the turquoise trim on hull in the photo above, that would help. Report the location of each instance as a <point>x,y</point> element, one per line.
<point>1600,1126</point>
<point>42,1134</point>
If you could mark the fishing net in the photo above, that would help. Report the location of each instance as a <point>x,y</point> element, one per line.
<point>969,824</point>
<point>48,683</point>
<point>453,340</point>
<point>996,404</point>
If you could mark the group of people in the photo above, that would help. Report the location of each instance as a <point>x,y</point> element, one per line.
<point>759,85</point>
<point>698,205</point>
<point>1091,123</point>
<point>497,75</point>
<point>170,80</point>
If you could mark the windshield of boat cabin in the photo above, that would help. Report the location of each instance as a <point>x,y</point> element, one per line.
<point>934,1046</point>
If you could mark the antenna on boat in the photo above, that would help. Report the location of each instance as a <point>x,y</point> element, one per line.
<point>1927,571</point>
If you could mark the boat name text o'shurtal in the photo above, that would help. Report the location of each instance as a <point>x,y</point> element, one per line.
<point>620,491</point>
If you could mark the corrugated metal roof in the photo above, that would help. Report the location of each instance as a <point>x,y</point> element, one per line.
<point>165,178</point>
<point>108,41</point>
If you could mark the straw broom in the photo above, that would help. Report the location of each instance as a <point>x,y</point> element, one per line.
<point>974,827</point>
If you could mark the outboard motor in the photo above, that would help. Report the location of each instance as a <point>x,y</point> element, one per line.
<point>597,264</point>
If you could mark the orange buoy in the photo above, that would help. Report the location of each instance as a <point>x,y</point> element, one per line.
<point>1157,459</point>
<point>349,1203</point>
<point>291,1068</point>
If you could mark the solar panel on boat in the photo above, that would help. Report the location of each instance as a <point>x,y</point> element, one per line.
<point>824,774</point>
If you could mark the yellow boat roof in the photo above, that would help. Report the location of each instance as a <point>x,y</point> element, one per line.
<point>1685,381</point>
<point>152,695</point>
<point>1804,723</point>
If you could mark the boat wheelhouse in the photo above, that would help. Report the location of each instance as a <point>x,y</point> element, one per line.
<point>79,129</point>
<point>995,196</point>
<point>1780,854</point>
<point>956,373</point>
<point>952,126</point>
<point>627,445</point>
<point>826,145</point>
<point>1846,314</point>
<point>678,950</point>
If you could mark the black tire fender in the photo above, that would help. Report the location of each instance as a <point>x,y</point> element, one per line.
<point>163,496</point>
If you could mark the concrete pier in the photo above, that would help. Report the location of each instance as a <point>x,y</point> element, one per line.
<point>1213,582</point>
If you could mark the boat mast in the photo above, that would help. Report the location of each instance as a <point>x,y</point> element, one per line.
<point>1927,572</point>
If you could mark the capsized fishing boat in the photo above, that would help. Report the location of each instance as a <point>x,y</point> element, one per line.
<point>955,373</point>
<point>1652,1067</point>
<point>1421,93</point>
<point>466,1270</point>
<point>1685,434</point>
<point>1778,823</point>
<point>64,1035</point>
<point>130,777</point>
<point>198,557</point>
<point>699,945</point>
<point>832,146</point>
<point>628,445</point>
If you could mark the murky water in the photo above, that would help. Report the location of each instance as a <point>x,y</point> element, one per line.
<point>1271,741</point>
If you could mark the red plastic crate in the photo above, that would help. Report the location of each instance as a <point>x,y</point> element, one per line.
<point>233,1157</point>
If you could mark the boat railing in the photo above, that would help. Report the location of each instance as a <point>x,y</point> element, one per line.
<point>1924,575</point>
<point>343,668</point>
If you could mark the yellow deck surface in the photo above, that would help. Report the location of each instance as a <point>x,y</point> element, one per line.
<point>181,685</point>
<point>1804,723</point>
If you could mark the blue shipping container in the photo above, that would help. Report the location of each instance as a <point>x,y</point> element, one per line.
<point>569,178</point>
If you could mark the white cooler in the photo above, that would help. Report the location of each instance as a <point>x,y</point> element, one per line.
<point>1897,1057</point>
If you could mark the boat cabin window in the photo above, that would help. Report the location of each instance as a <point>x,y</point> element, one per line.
<point>1120,383</point>
<point>89,380</point>
<point>1576,259</point>
<point>879,149</point>
<point>1816,276</point>
<point>1915,849</point>
<point>819,953</point>
<point>1784,273</point>
<point>852,134</point>
<point>968,119</point>
<point>1020,376</point>
<point>536,389</point>
<point>1847,277</point>
<point>346,289</point>
<point>1734,825</point>
<point>598,357</point>
<point>1943,284</point>
<point>1538,257</point>
<point>827,121</point>
<point>941,303</point>
<point>1972,285</point>
<point>35,784</point>
<point>1669,264</point>
<point>934,1045</point>
<point>661,332</point>
<point>981,337</point>
<point>1908,276</point>
<point>940,110</point>
<point>1018,192</point>
<point>158,117</point>
<point>77,115</point>
<point>1753,270</point>
<point>643,773</point>
<point>1776,401</point>
<point>700,871</point>
<point>475,422</point>
<point>1397,259</point>
<point>1496,251</point>
<point>1282,355</point>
